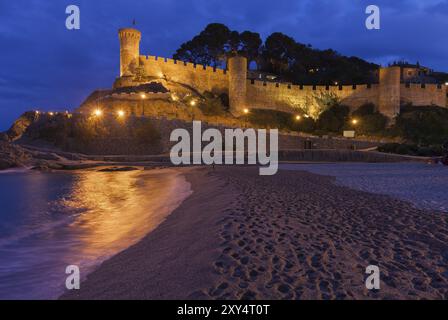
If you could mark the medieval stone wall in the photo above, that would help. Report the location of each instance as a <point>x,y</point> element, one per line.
<point>199,77</point>
<point>423,95</point>
<point>295,98</point>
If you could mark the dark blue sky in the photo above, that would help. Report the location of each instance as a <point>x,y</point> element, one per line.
<point>43,65</point>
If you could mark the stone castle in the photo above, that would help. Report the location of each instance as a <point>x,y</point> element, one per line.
<point>244,93</point>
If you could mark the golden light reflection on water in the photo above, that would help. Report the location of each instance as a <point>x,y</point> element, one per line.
<point>119,208</point>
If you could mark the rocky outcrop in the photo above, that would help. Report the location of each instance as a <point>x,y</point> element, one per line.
<point>20,126</point>
<point>4,137</point>
<point>13,156</point>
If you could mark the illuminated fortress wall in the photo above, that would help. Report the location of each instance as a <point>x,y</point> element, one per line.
<point>201,78</point>
<point>243,93</point>
<point>423,95</point>
<point>292,98</point>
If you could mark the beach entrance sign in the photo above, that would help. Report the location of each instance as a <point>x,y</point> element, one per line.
<point>349,134</point>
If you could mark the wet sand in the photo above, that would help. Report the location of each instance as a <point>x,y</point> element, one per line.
<point>295,235</point>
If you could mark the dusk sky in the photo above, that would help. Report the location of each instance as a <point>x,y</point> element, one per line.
<point>46,66</point>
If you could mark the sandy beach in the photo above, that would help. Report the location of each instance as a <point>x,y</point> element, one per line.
<point>295,235</point>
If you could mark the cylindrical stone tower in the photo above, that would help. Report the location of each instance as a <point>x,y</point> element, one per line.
<point>389,91</point>
<point>237,66</point>
<point>129,48</point>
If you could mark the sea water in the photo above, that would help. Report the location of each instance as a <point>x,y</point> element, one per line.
<point>51,220</point>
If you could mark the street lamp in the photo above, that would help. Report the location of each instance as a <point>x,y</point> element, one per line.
<point>143,96</point>
<point>298,117</point>
<point>355,122</point>
<point>98,112</point>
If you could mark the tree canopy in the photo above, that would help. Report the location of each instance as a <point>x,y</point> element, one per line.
<point>279,54</point>
<point>216,42</point>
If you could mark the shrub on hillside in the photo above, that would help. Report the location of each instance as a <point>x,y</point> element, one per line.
<point>423,125</point>
<point>279,120</point>
<point>333,119</point>
<point>213,105</point>
<point>411,149</point>
<point>370,120</point>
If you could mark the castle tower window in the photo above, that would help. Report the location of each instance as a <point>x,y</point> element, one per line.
<point>252,81</point>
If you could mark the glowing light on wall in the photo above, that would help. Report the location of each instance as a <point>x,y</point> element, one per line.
<point>98,113</point>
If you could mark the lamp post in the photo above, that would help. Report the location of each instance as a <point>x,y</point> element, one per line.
<point>246,120</point>
<point>192,103</point>
<point>142,98</point>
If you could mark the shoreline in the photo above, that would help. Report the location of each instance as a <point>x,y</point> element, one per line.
<point>80,218</point>
<point>295,235</point>
<point>38,158</point>
<point>155,251</point>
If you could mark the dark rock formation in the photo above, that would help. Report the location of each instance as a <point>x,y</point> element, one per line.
<point>13,156</point>
<point>20,126</point>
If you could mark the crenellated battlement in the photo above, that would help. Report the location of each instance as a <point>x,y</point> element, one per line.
<point>148,59</point>
<point>129,33</point>
<point>298,87</point>
<point>428,86</point>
